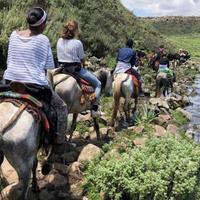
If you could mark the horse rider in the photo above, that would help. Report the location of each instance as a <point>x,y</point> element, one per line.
<point>164,67</point>
<point>126,59</point>
<point>159,53</point>
<point>70,54</point>
<point>29,56</point>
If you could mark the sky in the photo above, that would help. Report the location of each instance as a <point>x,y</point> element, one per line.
<point>145,8</point>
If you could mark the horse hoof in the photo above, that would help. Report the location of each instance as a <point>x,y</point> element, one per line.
<point>46,168</point>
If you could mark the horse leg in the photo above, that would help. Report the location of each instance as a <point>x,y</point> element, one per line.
<point>96,127</point>
<point>126,109</point>
<point>35,186</point>
<point>115,110</point>
<point>73,126</point>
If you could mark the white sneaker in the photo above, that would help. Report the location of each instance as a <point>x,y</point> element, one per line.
<point>95,113</point>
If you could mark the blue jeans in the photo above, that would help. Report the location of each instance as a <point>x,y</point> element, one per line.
<point>91,78</point>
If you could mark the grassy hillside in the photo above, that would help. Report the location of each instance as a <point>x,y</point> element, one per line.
<point>105,24</point>
<point>190,42</point>
<point>182,32</point>
<point>175,25</point>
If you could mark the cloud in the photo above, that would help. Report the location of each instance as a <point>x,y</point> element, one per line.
<point>163,7</point>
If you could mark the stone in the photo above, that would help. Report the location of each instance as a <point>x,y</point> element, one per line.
<point>162,119</point>
<point>113,153</point>
<point>89,152</point>
<point>186,101</point>
<point>159,102</point>
<point>74,168</point>
<point>9,172</point>
<point>76,189</point>
<point>171,128</point>
<point>137,129</point>
<point>185,113</point>
<point>159,131</point>
<point>140,142</point>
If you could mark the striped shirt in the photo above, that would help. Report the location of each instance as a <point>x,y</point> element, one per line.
<point>28,58</point>
<point>70,51</point>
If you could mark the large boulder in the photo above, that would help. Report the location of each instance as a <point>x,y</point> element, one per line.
<point>171,128</point>
<point>89,152</point>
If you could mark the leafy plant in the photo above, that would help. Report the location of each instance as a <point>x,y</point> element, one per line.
<point>145,115</point>
<point>165,168</point>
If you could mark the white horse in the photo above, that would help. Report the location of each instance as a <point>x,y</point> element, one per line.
<point>69,90</point>
<point>19,142</point>
<point>124,87</point>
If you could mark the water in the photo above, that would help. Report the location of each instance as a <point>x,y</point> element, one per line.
<point>194,109</point>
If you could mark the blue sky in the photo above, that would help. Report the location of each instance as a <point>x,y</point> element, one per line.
<point>144,8</point>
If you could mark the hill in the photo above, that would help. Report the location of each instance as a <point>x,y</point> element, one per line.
<point>174,25</point>
<point>105,24</point>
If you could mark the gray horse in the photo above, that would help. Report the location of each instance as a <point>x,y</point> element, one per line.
<point>19,142</point>
<point>69,90</point>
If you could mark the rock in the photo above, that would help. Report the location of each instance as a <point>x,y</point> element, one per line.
<point>140,142</point>
<point>104,131</point>
<point>159,131</point>
<point>89,152</point>
<point>159,102</point>
<point>9,172</point>
<point>74,168</point>
<point>162,119</point>
<point>76,189</point>
<point>76,135</point>
<point>171,128</point>
<point>137,129</point>
<point>185,113</point>
<point>186,101</point>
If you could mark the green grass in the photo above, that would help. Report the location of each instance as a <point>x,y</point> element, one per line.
<point>189,42</point>
<point>178,117</point>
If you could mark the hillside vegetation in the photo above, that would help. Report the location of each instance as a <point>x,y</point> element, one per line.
<point>105,24</point>
<point>181,32</point>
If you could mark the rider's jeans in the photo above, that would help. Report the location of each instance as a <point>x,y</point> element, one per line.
<point>91,78</point>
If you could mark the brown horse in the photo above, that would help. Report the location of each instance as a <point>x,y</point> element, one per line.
<point>163,84</point>
<point>123,86</point>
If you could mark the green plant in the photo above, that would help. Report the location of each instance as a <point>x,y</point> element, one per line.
<point>145,115</point>
<point>178,117</point>
<point>165,168</point>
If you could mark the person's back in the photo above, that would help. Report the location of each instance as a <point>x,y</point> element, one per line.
<point>28,58</point>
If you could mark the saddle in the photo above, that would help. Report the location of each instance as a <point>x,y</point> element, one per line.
<point>18,97</point>
<point>86,88</point>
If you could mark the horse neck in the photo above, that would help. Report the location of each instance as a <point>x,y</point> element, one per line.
<point>102,77</point>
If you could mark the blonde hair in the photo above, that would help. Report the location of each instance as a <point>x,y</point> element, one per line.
<point>70,30</point>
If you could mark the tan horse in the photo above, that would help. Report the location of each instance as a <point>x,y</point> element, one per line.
<point>123,87</point>
<point>69,90</point>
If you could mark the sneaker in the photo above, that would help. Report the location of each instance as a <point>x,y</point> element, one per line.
<point>95,113</point>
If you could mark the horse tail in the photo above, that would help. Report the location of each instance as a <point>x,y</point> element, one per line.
<point>116,96</point>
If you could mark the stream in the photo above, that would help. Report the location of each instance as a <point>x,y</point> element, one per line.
<point>194,109</point>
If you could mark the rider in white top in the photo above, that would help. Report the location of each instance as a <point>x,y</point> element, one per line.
<point>29,55</point>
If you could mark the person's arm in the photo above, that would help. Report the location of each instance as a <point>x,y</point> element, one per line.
<point>133,59</point>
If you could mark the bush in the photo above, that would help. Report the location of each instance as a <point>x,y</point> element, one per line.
<point>164,169</point>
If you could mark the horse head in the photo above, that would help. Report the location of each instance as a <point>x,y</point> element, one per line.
<point>106,78</point>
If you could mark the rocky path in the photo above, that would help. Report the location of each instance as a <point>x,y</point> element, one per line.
<point>65,180</point>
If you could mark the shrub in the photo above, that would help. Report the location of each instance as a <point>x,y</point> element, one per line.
<point>165,168</point>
